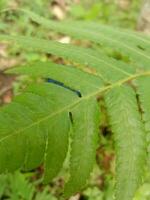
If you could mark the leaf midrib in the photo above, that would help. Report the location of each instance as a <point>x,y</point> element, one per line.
<point>66,108</point>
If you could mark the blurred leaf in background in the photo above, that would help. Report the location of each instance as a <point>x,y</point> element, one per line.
<point>3,184</point>
<point>143,193</point>
<point>18,186</point>
<point>108,12</point>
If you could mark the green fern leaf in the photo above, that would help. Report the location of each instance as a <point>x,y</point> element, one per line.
<point>82,80</point>
<point>84,144</point>
<point>137,47</point>
<point>42,131</point>
<point>106,67</point>
<point>129,137</point>
<point>41,123</point>
<point>143,91</point>
<point>29,122</point>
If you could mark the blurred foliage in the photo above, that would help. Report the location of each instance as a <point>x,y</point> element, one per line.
<point>18,186</point>
<point>24,186</point>
<point>103,11</point>
<point>108,12</point>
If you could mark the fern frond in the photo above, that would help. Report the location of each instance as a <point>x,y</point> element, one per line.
<point>143,91</point>
<point>41,123</point>
<point>137,47</point>
<point>84,144</point>
<point>105,66</point>
<point>38,133</point>
<point>82,80</point>
<point>129,137</point>
<point>29,128</point>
